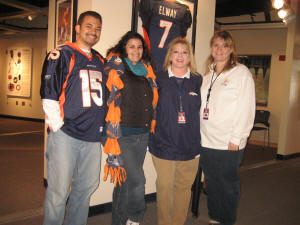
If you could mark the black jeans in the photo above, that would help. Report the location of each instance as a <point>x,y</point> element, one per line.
<point>129,199</point>
<point>220,168</point>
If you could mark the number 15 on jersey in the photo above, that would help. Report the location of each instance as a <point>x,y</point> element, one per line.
<point>91,87</point>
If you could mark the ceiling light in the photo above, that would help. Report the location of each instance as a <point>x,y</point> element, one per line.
<point>285,12</point>
<point>289,16</point>
<point>282,13</point>
<point>277,4</point>
<point>31,17</point>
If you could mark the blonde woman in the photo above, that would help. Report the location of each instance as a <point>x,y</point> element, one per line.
<point>175,145</point>
<point>226,119</point>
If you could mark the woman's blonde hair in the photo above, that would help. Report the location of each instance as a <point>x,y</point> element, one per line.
<point>227,37</point>
<point>183,41</point>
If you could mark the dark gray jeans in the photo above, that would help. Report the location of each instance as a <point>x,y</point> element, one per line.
<point>129,199</point>
<point>223,183</point>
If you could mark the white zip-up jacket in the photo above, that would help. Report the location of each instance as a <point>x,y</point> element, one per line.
<point>231,108</point>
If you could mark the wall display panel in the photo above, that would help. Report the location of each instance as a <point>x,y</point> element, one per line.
<point>162,21</point>
<point>259,65</point>
<point>19,72</point>
<point>65,21</point>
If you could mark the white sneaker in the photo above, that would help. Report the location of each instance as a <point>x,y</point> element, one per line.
<point>129,222</point>
<point>213,222</point>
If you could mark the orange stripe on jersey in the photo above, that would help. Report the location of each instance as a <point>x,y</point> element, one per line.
<point>99,56</point>
<point>73,45</point>
<point>62,97</point>
<point>147,39</point>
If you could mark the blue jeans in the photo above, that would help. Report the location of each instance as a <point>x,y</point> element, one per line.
<point>129,199</point>
<point>75,163</point>
<point>221,169</point>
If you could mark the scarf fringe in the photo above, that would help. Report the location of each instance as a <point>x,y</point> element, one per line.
<point>117,175</point>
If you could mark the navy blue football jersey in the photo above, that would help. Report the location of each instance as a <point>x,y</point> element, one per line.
<point>162,21</point>
<point>77,81</point>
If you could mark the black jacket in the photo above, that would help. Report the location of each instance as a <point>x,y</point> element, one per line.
<point>136,105</point>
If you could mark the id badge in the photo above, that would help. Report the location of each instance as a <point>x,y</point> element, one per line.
<point>181,118</point>
<point>205,113</point>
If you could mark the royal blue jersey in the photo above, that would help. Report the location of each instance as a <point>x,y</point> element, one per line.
<point>163,21</point>
<point>77,81</point>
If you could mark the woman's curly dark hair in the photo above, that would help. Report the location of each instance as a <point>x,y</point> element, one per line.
<point>121,46</point>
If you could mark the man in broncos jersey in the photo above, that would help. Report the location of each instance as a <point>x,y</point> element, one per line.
<point>72,91</point>
<point>162,21</point>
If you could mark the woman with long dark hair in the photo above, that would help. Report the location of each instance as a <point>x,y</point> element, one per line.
<point>131,105</point>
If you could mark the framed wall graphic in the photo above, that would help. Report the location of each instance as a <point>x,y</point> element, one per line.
<point>19,72</point>
<point>65,21</point>
<point>259,65</point>
<point>161,21</point>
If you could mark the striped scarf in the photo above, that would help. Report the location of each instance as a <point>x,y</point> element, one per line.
<point>114,70</point>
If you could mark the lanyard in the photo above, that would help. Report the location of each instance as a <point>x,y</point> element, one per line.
<point>212,81</point>
<point>179,90</point>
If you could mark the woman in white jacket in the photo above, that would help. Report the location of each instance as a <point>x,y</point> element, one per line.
<point>226,119</point>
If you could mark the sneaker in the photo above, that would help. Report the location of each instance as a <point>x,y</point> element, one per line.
<point>212,222</point>
<point>129,222</point>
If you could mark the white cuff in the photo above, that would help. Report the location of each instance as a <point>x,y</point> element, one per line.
<point>52,111</point>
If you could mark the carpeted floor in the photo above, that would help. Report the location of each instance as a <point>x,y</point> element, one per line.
<point>270,188</point>
<point>257,154</point>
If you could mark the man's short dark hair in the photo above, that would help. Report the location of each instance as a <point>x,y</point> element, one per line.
<point>89,13</point>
